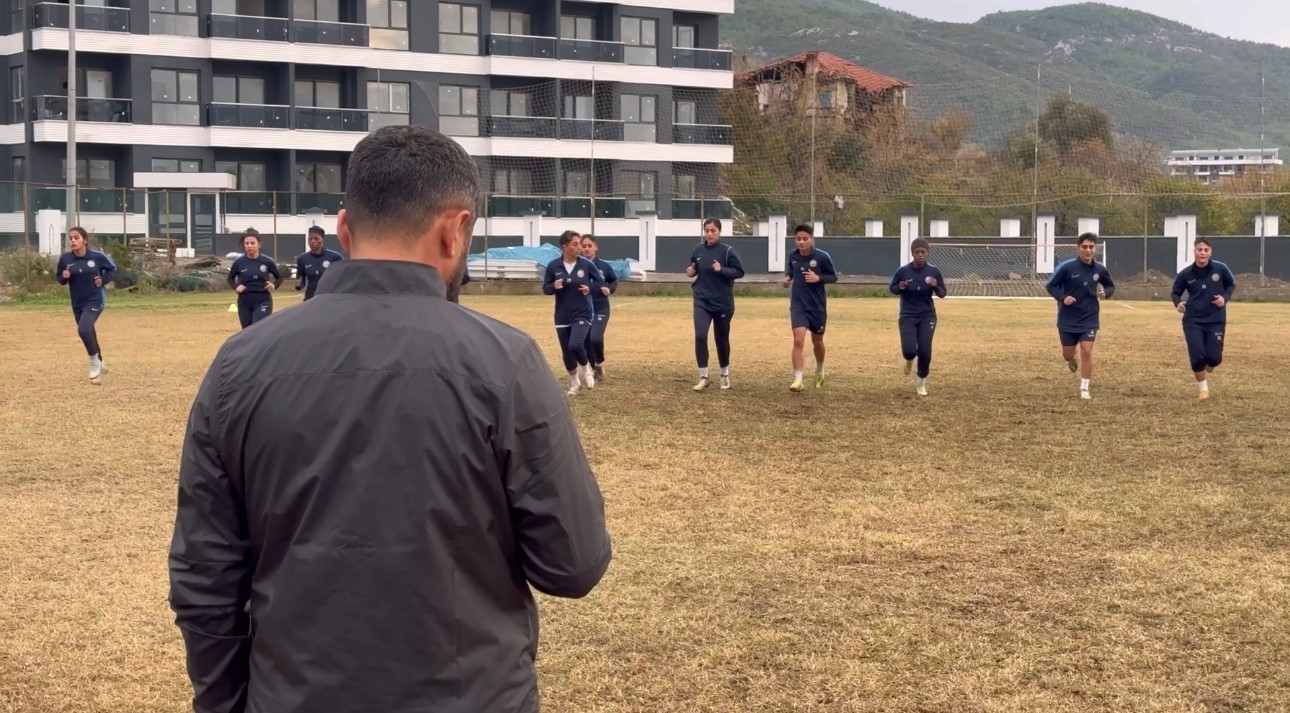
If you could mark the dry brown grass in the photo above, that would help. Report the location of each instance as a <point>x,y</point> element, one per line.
<point>997,546</point>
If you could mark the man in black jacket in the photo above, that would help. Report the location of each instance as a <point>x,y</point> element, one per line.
<point>371,481</point>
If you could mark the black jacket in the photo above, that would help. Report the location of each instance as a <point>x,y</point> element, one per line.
<point>713,290</point>
<point>370,482</point>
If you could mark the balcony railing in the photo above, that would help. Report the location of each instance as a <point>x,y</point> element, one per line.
<point>329,203</point>
<point>713,134</point>
<point>54,108</point>
<point>591,50</point>
<point>255,203</point>
<point>520,206</point>
<point>90,199</point>
<point>522,46</point>
<point>523,127</point>
<point>260,116</point>
<point>246,27</point>
<point>697,58</point>
<point>589,130</point>
<point>103,19</point>
<point>331,33</point>
<point>696,208</point>
<point>317,118</point>
<point>607,207</point>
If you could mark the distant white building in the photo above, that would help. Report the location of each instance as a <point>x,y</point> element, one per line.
<point>1209,165</point>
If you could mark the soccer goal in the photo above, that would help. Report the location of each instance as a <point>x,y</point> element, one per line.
<point>1001,270</point>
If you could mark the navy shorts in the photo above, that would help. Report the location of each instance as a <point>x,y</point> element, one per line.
<point>813,322</point>
<point>1070,339</point>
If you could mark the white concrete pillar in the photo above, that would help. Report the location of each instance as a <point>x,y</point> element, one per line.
<point>646,254</point>
<point>1045,244</point>
<point>938,228</point>
<point>873,228</point>
<point>1267,225</point>
<point>49,228</point>
<point>1010,228</point>
<point>1089,225</point>
<point>1186,226</point>
<point>776,234</point>
<point>819,228</point>
<point>908,231</point>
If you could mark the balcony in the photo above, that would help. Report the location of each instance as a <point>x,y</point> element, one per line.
<point>523,127</point>
<point>254,203</point>
<point>54,108</point>
<point>90,199</point>
<point>256,116</point>
<point>317,32</point>
<point>520,206</point>
<point>522,46</point>
<point>591,50</point>
<point>591,130</point>
<point>246,27</point>
<point>327,203</point>
<point>317,118</point>
<point>708,134</point>
<point>700,208</point>
<point>102,19</point>
<point>695,58</point>
<point>607,207</point>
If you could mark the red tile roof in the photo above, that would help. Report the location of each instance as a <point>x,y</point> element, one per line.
<point>831,66</point>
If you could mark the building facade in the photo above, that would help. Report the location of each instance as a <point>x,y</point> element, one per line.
<point>1210,165</point>
<point>197,117</point>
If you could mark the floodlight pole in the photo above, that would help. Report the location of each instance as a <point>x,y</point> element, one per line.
<point>72,202</point>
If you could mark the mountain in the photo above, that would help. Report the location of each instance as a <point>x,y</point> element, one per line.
<point>1158,80</point>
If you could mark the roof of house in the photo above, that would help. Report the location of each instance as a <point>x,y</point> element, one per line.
<point>832,66</point>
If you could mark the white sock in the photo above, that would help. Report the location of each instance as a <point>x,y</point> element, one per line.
<point>819,367</point>
<point>574,379</point>
<point>725,371</point>
<point>1083,384</point>
<point>703,372</point>
<point>797,375</point>
<point>922,381</point>
<point>1204,385</point>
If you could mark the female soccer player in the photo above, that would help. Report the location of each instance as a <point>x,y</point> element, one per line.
<point>715,268</point>
<point>254,276</point>
<point>572,278</point>
<point>1077,285</point>
<point>1208,285</point>
<point>808,271</point>
<point>916,283</point>
<point>599,306</point>
<point>85,272</point>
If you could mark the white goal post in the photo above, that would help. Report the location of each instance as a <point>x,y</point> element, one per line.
<point>1016,270</point>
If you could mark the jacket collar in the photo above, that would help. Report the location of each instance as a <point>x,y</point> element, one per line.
<point>383,277</point>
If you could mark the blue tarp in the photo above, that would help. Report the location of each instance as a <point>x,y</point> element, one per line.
<point>543,254</point>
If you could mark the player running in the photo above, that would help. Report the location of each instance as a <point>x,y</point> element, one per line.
<point>916,283</point>
<point>311,265</point>
<point>254,276</point>
<point>714,267</point>
<point>85,272</point>
<point>600,307</point>
<point>806,274</point>
<point>572,278</point>
<point>1208,285</point>
<point>1077,285</point>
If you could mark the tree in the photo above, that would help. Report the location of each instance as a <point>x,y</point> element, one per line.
<point>1067,123</point>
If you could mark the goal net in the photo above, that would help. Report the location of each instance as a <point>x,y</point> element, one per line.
<point>1007,270</point>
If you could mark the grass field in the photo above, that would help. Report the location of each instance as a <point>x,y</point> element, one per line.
<point>997,546</point>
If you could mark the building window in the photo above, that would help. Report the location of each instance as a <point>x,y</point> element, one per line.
<point>389,22</point>
<point>578,108</point>
<point>246,8</point>
<point>17,96</point>
<point>318,178</point>
<point>238,90</point>
<point>638,118</point>
<point>577,28</point>
<point>20,168</point>
<point>683,36</point>
<point>687,112</point>
<point>317,10</point>
<point>174,98</point>
<point>638,187</point>
<point>459,111</point>
<point>687,186</point>
<point>250,176</point>
<point>95,172</point>
<point>577,183</point>
<point>510,22</point>
<point>317,93</point>
<point>387,104</point>
<point>513,182</point>
<point>505,103</point>
<point>641,37</point>
<point>173,17</point>
<point>458,28</point>
<point>176,165</point>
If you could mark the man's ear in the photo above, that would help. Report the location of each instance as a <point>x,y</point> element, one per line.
<point>342,232</point>
<point>459,226</point>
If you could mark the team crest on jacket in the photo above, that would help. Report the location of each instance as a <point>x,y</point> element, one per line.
<point>90,263</point>
<point>582,273</point>
<point>814,263</point>
<point>326,263</point>
<point>1097,276</point>
<point>264,268</point>
<point>1213,277</point>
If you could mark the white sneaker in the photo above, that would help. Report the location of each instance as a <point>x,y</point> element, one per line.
<point>725,381</point>
<point>703,384</point>
<point>1085,395</point>
<point>574,388</point>
<point>96,368</point>
<point>589,377</point>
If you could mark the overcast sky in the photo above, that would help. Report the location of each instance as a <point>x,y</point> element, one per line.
<point>1257,20</point>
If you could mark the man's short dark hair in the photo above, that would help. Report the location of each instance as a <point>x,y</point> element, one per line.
<point>1087,237</point>
<point>317,230</point>
<point>402,177</point>
<point>804,228</point>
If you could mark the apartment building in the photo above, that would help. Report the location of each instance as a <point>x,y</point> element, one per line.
<point>1210,165</point>
<point>218,113</point>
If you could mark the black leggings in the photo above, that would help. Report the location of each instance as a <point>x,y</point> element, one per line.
<point>596,338</point>
<point>85,319</point>
<point>1204,346</point>
<point>253,307</point>
<point>573,343</point>
<point>720,324</point>
<point>916,341</point>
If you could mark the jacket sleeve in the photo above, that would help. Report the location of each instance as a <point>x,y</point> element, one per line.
<point>548,280</point>
<point>108,270</point>
<point>1229,283</point>
<point>828,273</point>
<point>939,290</point>
<point>1108,284</point>
<point>894,285</point>
<point>301,277</point>
<point>555,503</point>
<point>1180,286</point>
<point>734,268</point>
<point>277,275</point>
<point>1054,285</point>
<point>611,278</point>
<point>210,564</point>
<point>232,275</point>
<point>58,271</point>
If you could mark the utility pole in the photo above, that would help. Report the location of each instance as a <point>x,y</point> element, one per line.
<point>72,202</point>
